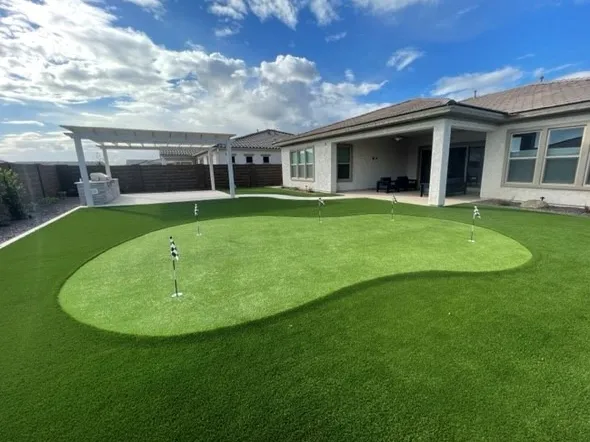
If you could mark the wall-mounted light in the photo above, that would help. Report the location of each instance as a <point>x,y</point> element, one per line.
<point>398,139</point>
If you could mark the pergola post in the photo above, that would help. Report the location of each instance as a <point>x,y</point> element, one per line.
<point>83,171</point>
<point>107,166</point>
<point>230,170</point>
<point>211,168</point>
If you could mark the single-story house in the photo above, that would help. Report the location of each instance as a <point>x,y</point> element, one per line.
<point>255,148</point>
<point>519,144</point>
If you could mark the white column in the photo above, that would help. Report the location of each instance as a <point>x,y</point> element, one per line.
<point>230,170</point>
<point>107,165</point>
<point>441,144</point>
<point>83,171</point>
<point>211,169</point>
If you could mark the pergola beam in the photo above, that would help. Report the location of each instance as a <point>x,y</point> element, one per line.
<point>133,139</point>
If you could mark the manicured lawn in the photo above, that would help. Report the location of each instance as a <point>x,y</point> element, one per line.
<point>281,191</point>
<point>248,268</point>
<point>428,355</point>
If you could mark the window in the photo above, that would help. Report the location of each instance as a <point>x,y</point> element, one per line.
<point>302,163</point>
<point>563,151</point>
<point>523,156</point>
<point>233,159</point>
<point>265,159</point>
<point>344,161</point>
<point>249,159</point>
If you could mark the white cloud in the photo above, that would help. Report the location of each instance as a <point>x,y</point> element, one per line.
<point>226,31</point>
<point>349,75</point>
<point>324,11</point>
<point>235,9</point>
<point>69,53</point>
<point>402,58</point>
<point>24,122</point>
<point>380,6</point>
<point>466,10</point>
<point>335,37</point>
<point>463,86</point>
<point>287,11</point>
<point>537,73</point>
<point>573,75</point>
<point>154,6</point>
<point>525,56</point>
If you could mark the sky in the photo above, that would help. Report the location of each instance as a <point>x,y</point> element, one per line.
<point>237,66</point>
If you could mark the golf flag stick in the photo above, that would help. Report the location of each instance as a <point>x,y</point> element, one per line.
<point>175,256</point>
<point>321,203</point>
<point>393,202</point>
<point>475,215</point>
<point>197,217</point>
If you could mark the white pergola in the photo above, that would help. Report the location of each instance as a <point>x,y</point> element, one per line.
<point>109,138</point>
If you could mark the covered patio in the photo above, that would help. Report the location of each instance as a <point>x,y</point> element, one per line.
<point>93,192</point>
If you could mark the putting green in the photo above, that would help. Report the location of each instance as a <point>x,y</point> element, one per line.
<point>242,269</point>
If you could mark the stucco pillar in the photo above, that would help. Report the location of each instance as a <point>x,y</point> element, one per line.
<point>107,165</point>
<point>83,171</point>
<point>230,170</point>
<point>441,144</point>
<point>211,169</point>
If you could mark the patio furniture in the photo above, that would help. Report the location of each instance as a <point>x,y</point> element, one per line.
<point>403,183</point>
<point>455,186</point>
<point>384,183</point>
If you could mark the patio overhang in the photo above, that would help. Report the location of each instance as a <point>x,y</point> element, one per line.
<point>111,138</point>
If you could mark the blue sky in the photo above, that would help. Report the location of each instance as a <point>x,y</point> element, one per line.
<point>242,65</point>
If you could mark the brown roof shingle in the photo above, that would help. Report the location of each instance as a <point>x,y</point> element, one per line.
<point>535,96</point>
<point>403,108</point>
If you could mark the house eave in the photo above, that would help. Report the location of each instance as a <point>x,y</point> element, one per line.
<point>453,109</point>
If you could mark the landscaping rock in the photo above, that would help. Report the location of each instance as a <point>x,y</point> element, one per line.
<point>534,204</point>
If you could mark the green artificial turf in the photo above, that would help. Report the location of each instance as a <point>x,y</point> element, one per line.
<point>280,191</point>
<point>244,269</point>
<point>430,355</point>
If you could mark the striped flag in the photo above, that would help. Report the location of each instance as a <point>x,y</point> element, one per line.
<point>196,209</point>
<point>393,199</point>
<point>476,213</point>
<point>173,250</point>
<point>321,202</point>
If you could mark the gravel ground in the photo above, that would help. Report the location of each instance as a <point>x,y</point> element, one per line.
<point>564,210</point>
<point>41,213</point>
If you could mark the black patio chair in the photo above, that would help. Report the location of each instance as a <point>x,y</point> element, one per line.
<point>384,183</point>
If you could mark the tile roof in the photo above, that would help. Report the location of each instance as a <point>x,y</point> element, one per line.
<point>512,102</point>
<point>535,96</point>
<point>359,122</point>
<point>264,139</point>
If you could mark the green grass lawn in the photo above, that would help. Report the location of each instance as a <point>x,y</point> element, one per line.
<point>427,355</point>
<point>280,191</point>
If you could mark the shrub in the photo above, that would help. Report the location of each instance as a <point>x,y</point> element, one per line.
<point>10,194</point>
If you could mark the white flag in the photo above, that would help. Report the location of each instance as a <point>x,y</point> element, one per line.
<point>321,202</point>
<point>476,213</point>
<point>173,250</point>
<point>393,199</point>
<point>196,210</point>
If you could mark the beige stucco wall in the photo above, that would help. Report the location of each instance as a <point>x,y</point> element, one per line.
<point>496,153</point>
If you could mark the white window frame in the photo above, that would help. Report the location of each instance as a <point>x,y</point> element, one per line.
<point>582,177</point>
<point>547,157</point>
<point>535,158</point>
<point>349,163</point>
<point>305,164</point>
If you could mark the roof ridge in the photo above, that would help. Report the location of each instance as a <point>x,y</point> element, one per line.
<point>260,131</point>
